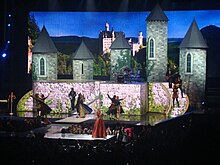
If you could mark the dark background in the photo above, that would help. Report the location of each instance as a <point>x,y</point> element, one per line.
<point>13,68</point>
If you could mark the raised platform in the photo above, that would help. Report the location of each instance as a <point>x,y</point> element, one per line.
<point>54,132</point>
<point>74,119</point>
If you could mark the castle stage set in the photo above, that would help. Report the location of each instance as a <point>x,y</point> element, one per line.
<point>113,54</point>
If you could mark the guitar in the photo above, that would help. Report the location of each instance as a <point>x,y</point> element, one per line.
<point>168,77</point>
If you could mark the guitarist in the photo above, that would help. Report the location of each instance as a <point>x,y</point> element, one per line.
<point>169,76</point>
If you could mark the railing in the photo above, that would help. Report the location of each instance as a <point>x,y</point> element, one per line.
<point>170,98</point>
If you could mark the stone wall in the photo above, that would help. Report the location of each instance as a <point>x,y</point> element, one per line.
<point>194,83</point>
<point>135,94</point>
<point>50,65</point>
<point>82,70</point>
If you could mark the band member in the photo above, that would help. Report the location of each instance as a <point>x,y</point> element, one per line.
<point>175,94</point>
<point>72,96</point>
<point>178,81</point>
<point>169,77</point>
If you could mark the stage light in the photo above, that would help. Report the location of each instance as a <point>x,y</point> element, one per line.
<point>8,42</point>
<point>9,15</point>
<point>9,25</point>
<point>4,55</point>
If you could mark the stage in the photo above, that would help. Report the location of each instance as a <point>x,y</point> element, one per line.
<point>55,132</point>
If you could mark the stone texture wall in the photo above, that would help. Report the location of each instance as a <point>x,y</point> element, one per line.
<point>194,83</point>
<point>58,94</point>
<point>82,70</point>
<point>51,67</point>
<point>156,68</point>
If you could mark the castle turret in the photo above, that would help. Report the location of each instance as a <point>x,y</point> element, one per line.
<point>106,26</point>
<point>82,63</point>
<point>140,38</point>
<point>156,42</point>
<point>120,55</point>
<point>44,54</point>
<point>192,64</point>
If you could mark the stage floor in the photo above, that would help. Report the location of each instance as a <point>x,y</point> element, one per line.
<point>149,119</point>
<point>74,119</point>
<point>54,132</point>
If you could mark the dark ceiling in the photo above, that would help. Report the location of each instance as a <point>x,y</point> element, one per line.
<point>111,5</point>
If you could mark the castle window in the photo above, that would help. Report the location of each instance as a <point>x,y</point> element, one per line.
<point>189,63</point>
<point>151,49</point>
<point>42,67</point>
<point>82,68</point>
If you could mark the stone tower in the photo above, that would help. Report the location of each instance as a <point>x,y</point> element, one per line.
<point>192,64</point>
<point>82,63</point>
<point>120,55</point>
<point>157,43</point>
<point>44,54</point>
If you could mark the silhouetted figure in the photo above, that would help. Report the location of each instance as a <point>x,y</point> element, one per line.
<point>72,96</point>
<point>178,81</point>
<point>175,95</point>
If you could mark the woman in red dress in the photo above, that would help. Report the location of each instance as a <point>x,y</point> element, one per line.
<point>99,129</point>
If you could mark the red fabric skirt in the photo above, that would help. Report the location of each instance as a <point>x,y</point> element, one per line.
<point>99,129</point>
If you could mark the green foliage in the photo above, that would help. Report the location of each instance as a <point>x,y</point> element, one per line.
<point>124,60</point>
<point>135,111</point>
<point>22,101</point>
<point>135,65</point>
<point>101,66</point>
<point>153,107</point>
<point>33,29</point>
<point>174,67</point>
<point>132,117</point>
<point>64,64</point>
<point>59,108</point>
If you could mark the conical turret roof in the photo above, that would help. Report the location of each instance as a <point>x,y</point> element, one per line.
<point>120,42</point>
<point>82,53</point>
<point>157,14</point>
<point>44,43</point>
<point>193,38</point>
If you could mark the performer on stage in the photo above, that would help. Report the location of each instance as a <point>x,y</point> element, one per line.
<point>169,76</point>
<point>119,107</point>
<point>72,96</point>
<point>99,129</point>
<point>42,108</point>
<point>82,109</point>
<point>115,107</point>
<point>112,110</point>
